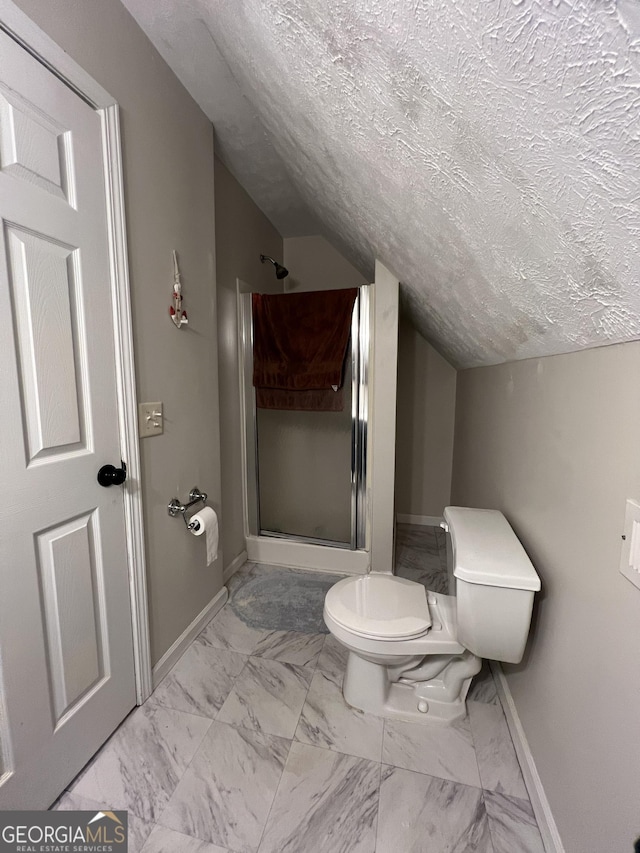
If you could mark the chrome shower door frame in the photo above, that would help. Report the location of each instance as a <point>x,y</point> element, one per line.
<point>360,338</point>
<point>248,414</point>
<point>360,342</point>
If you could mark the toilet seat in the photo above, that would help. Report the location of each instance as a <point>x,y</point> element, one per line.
<point>378,606</point>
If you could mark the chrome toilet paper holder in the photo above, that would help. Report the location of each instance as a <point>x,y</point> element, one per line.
<point>175,507</point>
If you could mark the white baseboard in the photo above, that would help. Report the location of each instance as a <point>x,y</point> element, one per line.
<point>301,555</point>
<point>171,657</point>
<point>421,520</point>
<point>234,565</point>
<point>540,803</point>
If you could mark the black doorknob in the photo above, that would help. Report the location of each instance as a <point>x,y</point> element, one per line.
<point>109,475</point>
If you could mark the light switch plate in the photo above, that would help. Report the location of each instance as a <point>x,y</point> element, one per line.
<point>150,419</point>
<point>630,556</point>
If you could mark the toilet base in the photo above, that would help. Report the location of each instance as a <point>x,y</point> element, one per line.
<point>367,687</point>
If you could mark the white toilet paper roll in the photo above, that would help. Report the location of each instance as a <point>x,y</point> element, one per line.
<point>206,521</point>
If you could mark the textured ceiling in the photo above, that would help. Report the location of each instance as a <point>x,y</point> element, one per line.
<point>488,152</point>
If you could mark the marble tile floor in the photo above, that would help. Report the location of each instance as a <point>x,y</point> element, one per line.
<point>421,556</point>
<point>248,746</point>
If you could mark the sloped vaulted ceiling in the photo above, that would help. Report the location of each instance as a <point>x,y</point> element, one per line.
<point>488,151</point>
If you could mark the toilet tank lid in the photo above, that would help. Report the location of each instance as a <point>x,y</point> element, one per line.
<point>487,551</point>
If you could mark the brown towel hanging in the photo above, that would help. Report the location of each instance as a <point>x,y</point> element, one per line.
<point>313,400</point>
<point>300,343</point>
<point>300,339</point>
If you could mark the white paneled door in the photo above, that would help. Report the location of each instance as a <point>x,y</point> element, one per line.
<point>66,657</point>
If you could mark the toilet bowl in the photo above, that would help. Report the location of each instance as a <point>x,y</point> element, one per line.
<point>413,652</point>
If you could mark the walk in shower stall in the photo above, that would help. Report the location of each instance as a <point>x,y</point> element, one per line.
<point>308,473</point>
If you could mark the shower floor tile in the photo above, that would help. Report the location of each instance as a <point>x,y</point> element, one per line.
<point>248,746</point>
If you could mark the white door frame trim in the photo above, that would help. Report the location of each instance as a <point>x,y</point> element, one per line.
<point>127,401</point>
<point>21,28</point>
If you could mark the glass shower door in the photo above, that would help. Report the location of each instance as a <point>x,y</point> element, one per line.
<point>310,466</point>
<point>304,471</point>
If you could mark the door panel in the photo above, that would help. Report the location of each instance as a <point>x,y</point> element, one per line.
<point>71,583</point>
<point>33,146</point>
<point>66,649</point>
<point>41,276</point>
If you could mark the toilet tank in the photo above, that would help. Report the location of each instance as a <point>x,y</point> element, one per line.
<point>495,584</point>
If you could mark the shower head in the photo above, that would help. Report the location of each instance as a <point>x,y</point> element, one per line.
<point>281,272</point>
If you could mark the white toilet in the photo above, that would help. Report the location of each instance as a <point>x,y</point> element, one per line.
<point>412,652</point>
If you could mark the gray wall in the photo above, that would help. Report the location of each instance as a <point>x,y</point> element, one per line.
<point>553,443</point>
<point>243,233</point>
<point>314,264</point>
<point>168,166</point>
<point>424,426</point>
